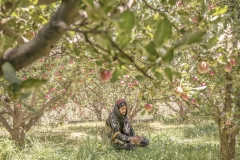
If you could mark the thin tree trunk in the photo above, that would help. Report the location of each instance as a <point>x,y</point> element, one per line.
<point>18,136</point>
<point>227,140</point>
<point>227,143</point>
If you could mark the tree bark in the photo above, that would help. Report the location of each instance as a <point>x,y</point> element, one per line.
<point>227,140</point>
<point>18,135</point>
<point>45,40</point>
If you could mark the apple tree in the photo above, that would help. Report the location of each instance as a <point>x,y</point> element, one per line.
<point>146,35</point>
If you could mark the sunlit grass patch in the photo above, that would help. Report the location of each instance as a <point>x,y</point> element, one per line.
<point>81,141</point>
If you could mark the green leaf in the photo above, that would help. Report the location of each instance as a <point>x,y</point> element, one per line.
<point>2,44</point>
<point>139,78</point>
<point>183,12</point>
<point>158,75</point>
<point>29,83</point>
<point>195,37</point>
<point>163,32</point>
<point>16,87</point>
<point>4,85</point>
<point>219,10</point>
<point>123,40</point>
<point>98,63</point>
<point>14,6</point>
<point>212,42</point>
<point>168,74</point>
<point>203,7</point>
<point>31,109</point>
<point>89,2</point>
<point>177,74</point>
<point>23,96</point>
<point>116,74</point>
<point>189,39</point>
<point>127,21</point>
<point>168,57</point>
<point>172,2</point>
<point>9,73</point>
<point>151,49</point>
<point>143,112</point>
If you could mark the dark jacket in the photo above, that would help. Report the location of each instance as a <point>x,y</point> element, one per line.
<point>117,127</point>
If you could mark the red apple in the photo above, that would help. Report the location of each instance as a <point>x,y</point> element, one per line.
<point>47,96</point>
<point>228,68</point>
<point>233,62</point>
<point>195,78</point>
<point>135,82</point>
<point>130,85</point>
<point>148,107</point>
<point>179,3</point>
<point>214,111</point>
<point>211,73</point>
<point>202,67</point>
<point>194,20</point>
<point>29,35</point>
<point>105,75</point>
<point>194,101</point>
<point>126,76</point>
<point>185,96</point>
<point>228,122</point>
<point>178,91</point>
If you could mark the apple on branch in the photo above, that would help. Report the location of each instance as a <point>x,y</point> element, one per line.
<point>194,101</point>
<point>148,107</point>
<point>202,67</point>
<point>105,75</point>
<point>228,68</point>
<point>185,96</point>
<point>178,91</point>
<point>29,34</point>
<point>233,62</point>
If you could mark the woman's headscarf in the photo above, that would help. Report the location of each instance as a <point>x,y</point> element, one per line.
<point>119,104</point>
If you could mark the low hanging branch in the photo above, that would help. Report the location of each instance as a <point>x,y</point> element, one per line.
<point>44,41</point>
<point>233,129</point>
<point>10,33</point>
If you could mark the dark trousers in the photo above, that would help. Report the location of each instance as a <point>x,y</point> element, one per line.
<point>120,145</point>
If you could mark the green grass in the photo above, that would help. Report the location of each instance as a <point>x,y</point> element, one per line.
<point>82,141</point>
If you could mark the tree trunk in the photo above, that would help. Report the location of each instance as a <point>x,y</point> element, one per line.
<point>227,143</point>
<point>18,136</point>
<point>227,140</point>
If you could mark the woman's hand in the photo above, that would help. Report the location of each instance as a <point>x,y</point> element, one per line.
<point>135,140</point>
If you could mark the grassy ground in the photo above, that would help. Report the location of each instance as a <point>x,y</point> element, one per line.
<point>82,141</point>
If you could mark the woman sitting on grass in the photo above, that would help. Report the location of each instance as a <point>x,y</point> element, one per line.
<point>118,131</point>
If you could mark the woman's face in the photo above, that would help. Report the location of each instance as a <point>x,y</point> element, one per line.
<point>123,110</point>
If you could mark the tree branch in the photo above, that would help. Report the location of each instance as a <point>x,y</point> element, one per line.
<point>233,129</point>
<point>10,33</point>
<point>129,58</point>
<point>44,41</point>
<point>212,104</point>
<point>35,117</point>
<point>9,109</point>
<point>175,110</point>
<point>5,124</point>
<point>40,112</point>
